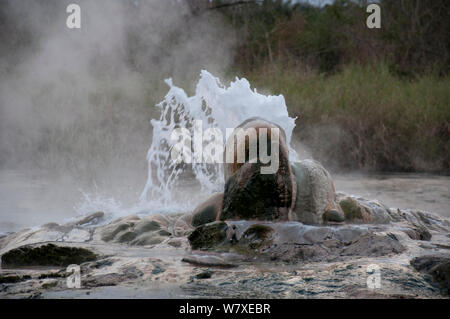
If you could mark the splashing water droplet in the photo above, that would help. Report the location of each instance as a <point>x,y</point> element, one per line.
<point>217,106</point>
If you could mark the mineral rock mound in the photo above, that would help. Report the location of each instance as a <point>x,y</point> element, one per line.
<point>249,192</point>
<point>316,197</point>
<point>301,191</point>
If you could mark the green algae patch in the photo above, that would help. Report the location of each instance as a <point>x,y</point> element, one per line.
<point>13,279</point>
<point>351,209</point>
<point>46,255</point>
<point>208,236</point>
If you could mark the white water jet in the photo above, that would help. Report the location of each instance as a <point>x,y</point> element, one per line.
<point>216,106</point>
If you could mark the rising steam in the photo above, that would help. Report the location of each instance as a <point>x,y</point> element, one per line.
<point>76,103</point>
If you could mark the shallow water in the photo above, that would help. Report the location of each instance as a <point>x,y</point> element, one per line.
<point>400,190</point>
<point>32,198</point>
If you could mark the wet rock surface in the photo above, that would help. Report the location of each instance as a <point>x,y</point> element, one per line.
<point>250,191</point>
<point>167,257</point>
<point>438,267</point>
<point>252,195</point>
<point>307,196</point>
<point>209,236</point>
<point>315,194</point>
<point>208,211</point>
<point>294,242</point>
<point>46,255</point>
<point>150,230</point>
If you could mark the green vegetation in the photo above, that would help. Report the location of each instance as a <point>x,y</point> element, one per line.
<point>365,117</point>
<point>13,279</point>
<point>373,99</point>
<point>413,38</point>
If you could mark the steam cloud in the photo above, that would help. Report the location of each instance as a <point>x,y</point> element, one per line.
<point>77,102</point>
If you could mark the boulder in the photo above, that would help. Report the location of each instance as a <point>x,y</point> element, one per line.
<point>333,215</point>
<point>359,210</point>
<point>249,193</point>
<point>315,200</point>
<point>438,267</point>
<point>46,255</point>
<point>353,211</point>
<point>208,236</point>
<point>257,236</point>
<point>208,211</point>
<point>13,279</point>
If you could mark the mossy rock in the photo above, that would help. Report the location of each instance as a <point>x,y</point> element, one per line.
<point>208,236</point>
<point>251,195</point>
<point>333,215</point>
<point>250,192</point>
<point>13,279</point>
<point>47,255</point>
<point>257,236</point>
<point>360,210</point>
<point>351,209</point>
<point>258,231</point>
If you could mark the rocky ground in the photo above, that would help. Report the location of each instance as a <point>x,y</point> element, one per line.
<point>165,257</point>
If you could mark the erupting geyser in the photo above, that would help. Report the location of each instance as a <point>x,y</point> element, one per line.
<point>216,106</point>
